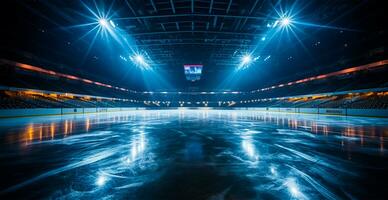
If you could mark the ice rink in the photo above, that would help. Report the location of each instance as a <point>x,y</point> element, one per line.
<point>193,154</point>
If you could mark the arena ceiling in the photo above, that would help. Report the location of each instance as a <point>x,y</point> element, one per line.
<point>323,36</point>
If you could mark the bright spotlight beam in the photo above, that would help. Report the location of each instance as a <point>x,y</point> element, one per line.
<point>139,60</point>
<point>103,22</point>
<point>246,60</point>
<point>285,21</point>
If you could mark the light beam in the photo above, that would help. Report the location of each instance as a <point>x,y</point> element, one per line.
<point>103,22</point>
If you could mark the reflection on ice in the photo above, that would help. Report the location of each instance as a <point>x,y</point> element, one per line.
<point>273,171</point>
<point>250,150</point>
<point>101,180</point>
<point>137,147</point>
<point>159,154</point>
<point>320,188</point>
<point>293,188</point>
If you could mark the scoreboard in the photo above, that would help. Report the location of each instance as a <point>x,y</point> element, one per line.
<point>193,72</point>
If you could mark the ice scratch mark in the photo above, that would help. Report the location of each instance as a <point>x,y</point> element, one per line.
<point>202,135</point>
<point>89,160</point>
<point>180,132</point>
<point>138,184</point>
<point>293,189</point>
<point>221,195</point>
<point>295,132</point>
<point>319,187</point>
<point>302,155</point>
<point>317,161</point>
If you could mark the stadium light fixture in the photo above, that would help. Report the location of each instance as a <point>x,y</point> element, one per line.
<point>139,60</point>
<point>285,21</point>
<point>246,60</point>
<point>103,22</point>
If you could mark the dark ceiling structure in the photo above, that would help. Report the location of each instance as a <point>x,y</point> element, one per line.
<point>326,36</point>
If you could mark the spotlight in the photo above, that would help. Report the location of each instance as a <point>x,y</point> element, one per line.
<point>285,21</point>
<point>139,60</point>
<point>103,22</point>
<point>246,60</point>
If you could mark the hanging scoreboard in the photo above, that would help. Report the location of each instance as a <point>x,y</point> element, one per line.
<point>193,72</point>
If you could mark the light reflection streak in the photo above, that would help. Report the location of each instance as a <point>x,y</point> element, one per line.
<point>138,146</point>
<point>87,124</point>
<point>293,188</point>
<point>101,180</point>
<point>52,130</point>
<point>273,171</point>
<point>66,128</point>
<point>29,131</point>
<point>249,149</point>
<point>40,133</point>
<point>349,133</point>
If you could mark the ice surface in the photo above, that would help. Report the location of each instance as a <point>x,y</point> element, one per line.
<point>193,154</point>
